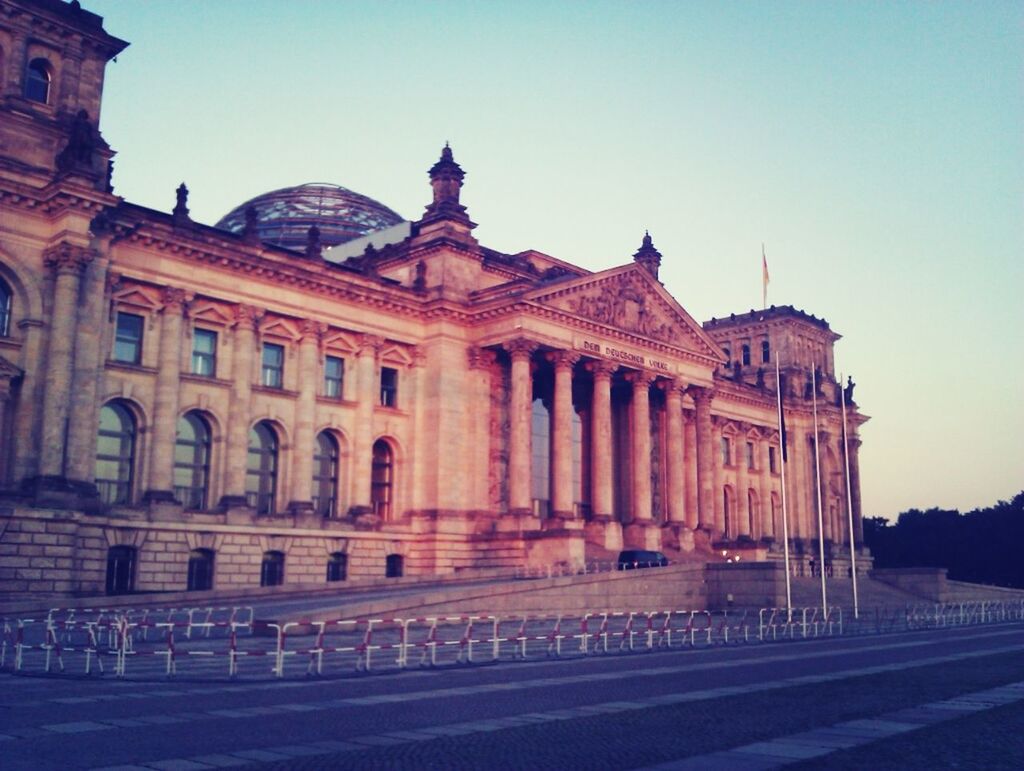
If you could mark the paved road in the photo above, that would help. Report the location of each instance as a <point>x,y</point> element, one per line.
<point>410,719</point>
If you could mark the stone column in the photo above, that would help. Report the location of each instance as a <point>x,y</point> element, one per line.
<point>676,467</point>
<point>305,418</point>
<point>362,441</point>
<point>742,484</point>
<point>67,261</point>
<point>83,409</point>
<point>705,459</point>
<point>826,515</point>
<point>165,401</point>
<point>721,516</point>
<point>240,407</point>
<point>853,446</point>
<point>765,478</point>
<point>690,467</point>
<point>520,411</point>
<point>641,414</point>
<point>25,447</point>
<point>601,439</point>
<point>561,461</point>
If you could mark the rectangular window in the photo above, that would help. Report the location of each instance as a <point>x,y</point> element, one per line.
<point>388,387</point>
<point>766,352</point>
<point>771,460</point>
<point>334,377</point>
<point>204,353</point>
<point>128,338</point>
<point>750,455</point>
<point>273,365</point>
<point>726,451</point>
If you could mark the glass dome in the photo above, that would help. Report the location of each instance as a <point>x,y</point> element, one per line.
<point>284,217</point>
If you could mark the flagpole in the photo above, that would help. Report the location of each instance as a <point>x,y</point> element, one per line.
<point>849,501</point>
<point>817,485</point>
<point>764,278</point>
<point>782,469</point>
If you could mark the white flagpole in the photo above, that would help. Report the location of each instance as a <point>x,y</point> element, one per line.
<point>849,501</point>
<point>782,469</point>
<point>817,485</point>
<point>764,278</point>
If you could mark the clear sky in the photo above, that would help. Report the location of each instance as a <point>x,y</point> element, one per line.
<point>876,148</point>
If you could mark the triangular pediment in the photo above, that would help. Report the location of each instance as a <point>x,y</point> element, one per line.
<point>629,299</point>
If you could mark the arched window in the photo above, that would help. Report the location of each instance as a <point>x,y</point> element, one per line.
<point>766,352</point>
<point>37,81</point>
<point>746,355</point>
<point>337,567</point>
<point>115,454</point>
<point>394,565</point>
<point>192,461</point>
<point>382,479</point>
<point>120,569</point>
<point>261,472</point>
<point>272,569</point>
<point>200,570</point>
<point>752,512</point>
<point>325,475</point>
<point>5,309</point>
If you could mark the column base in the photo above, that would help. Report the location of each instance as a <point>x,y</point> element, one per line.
<point>675,535</point>
<point>604,533</point>
<point>642,535</point>
<point>296,508</point>
<point>364,518</point>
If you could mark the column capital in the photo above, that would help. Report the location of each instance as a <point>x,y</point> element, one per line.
<point>312,330</point>
<point>520,348</point>
<point>601,368</point>
<point>370,343</point>
<point>481,358</point>
<point>672,386</point>
<point>247,316</point>
<point>701,395</point>
<point>67,258</point>
<point>853,442</point>
<point>175,300</point>
<point>562,359</point>
<point>640,378</point>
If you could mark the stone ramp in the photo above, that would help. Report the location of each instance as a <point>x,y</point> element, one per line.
<point>676,587</point>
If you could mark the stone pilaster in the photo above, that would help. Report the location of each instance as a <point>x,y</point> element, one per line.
<point>367,398</point>
<point>485,378</point>
<point>561,461</point>
<point>165,402</point>
<point>853,447</point>
<point>601,439</point>
<point>239,412</point>
<point>690,468</point>
<point>742,484</point>
<point>765,486</point>
<point>520,411</point>
<point>706,465</point>
<point>309,379</point>
<point>67,261</point>
<point>641,445</point>
<point>676,467</point>
<point>89,363</point>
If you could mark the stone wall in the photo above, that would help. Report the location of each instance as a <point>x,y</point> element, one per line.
<point>745,585</point>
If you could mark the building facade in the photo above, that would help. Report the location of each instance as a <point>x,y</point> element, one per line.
<point>188,406</point>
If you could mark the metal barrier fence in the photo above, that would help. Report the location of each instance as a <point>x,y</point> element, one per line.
<point>227,643</point>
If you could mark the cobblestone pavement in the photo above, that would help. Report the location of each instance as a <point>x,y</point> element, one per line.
<point>617,711</point>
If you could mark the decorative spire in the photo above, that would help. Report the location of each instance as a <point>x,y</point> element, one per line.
<point>446,179</point>
<point>180,212</point>
<point>252,218</point>
<point>648,256</point>
<point>313,247</point>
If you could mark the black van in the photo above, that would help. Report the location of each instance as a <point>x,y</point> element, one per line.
<point>632,559</point>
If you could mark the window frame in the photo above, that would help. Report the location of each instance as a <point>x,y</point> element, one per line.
<point>382,480</point>
<point>389,390</point>
<point>201,357</point>
<point>337,567</point>
<point>339,381</point>
<point>329,482</point>
<point>202,447</point>
<point>122,485</point>
<point>726,451</point>
<point>272,375</point>
<point>766,352</point>
<point>196,557</point>
<point>264,498</point>
<point>751,451</point>
<point>121,337</point>
<point>6,305</point>
<point>272,567</point>
<point>38,74</point>
<point>745,354</point>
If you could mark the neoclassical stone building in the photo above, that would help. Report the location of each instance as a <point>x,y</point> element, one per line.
<point>190,406</point>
